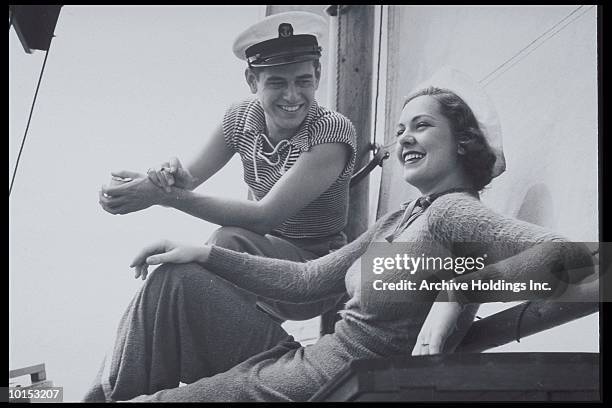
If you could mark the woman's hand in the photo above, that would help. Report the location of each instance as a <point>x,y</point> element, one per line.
<point>171,173</point>
<point>167,252</point>
<point>135,195</point>
<point>439,325</point>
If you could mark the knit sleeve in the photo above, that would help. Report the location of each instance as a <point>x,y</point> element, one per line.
<point>515,251</point>
<point>284,280</point>
<point>336,128</point>
<point>295,282</point>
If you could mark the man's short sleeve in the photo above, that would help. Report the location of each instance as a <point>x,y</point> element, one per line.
<point>230,120</point>
<point>336,128</point>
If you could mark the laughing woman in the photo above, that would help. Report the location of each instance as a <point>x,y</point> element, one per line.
<point>449,145</point>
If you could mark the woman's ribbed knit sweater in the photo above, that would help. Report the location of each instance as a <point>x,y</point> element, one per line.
<point>516,251</point>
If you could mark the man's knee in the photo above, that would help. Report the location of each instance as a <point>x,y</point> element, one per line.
<point>234,238</point>
<point>168,276</point>
<point>196,283</point>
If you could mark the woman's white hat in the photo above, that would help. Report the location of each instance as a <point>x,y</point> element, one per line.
<point>479,102</point>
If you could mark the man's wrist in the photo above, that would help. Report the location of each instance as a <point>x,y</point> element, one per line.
<point>191,184</point>
<point>169,199</point>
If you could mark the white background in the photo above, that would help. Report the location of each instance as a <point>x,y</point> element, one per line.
<point>124,88</point>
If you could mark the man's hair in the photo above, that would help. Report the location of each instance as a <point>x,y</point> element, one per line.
<point>315,63</point>
<point>478,159</point>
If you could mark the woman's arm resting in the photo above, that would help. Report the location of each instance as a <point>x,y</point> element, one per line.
<point>555,264</point>
<point>272,278</point>
<point>518,252</point>
<point>165,251</point>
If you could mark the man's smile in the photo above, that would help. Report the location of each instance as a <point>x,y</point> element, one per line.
<point>290,108</point>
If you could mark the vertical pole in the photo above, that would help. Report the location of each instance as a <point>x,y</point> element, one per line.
<point>332,56</point>
<point>355,31</point>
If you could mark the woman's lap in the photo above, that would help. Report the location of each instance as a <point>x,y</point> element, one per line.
<point>282,373</point>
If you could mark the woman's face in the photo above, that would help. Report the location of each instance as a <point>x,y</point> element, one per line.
<point>426,147</point>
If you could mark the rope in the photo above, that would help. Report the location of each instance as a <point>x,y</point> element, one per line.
<point>486,81</point>
<point>378,74</point>
<point>527,46</point>
<point>337,102</point>
<point>25,135</point>
<point>520,320</point>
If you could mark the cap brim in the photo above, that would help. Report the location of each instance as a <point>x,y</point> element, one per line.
<point>284,60</point>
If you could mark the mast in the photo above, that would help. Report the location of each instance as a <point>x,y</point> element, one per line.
<point>353,29</point>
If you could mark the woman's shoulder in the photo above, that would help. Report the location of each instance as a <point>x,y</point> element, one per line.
<point>462,216</point>
<point>455,203</point>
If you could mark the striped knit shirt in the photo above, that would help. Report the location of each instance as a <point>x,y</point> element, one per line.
<point>244,128</point>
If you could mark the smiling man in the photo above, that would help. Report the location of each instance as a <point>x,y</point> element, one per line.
<point>297,159</point>
<point>297,156</point>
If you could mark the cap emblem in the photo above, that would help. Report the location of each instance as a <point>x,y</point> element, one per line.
<point>285,30</point>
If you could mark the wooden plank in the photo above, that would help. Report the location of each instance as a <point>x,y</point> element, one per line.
<point>37,370</point>
<point>468,377</point>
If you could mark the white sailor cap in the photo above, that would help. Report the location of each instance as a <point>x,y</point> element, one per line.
<point>281,39</point>
<point>474,95</point>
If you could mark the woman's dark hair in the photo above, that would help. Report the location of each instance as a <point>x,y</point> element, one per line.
<point>478,158</point>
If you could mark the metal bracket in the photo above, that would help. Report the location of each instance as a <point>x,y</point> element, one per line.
<point>380,154</point>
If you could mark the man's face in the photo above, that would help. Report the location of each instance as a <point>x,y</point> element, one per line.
<point>286,93</point>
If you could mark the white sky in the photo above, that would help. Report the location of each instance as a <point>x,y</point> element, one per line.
<point>124,88</point>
